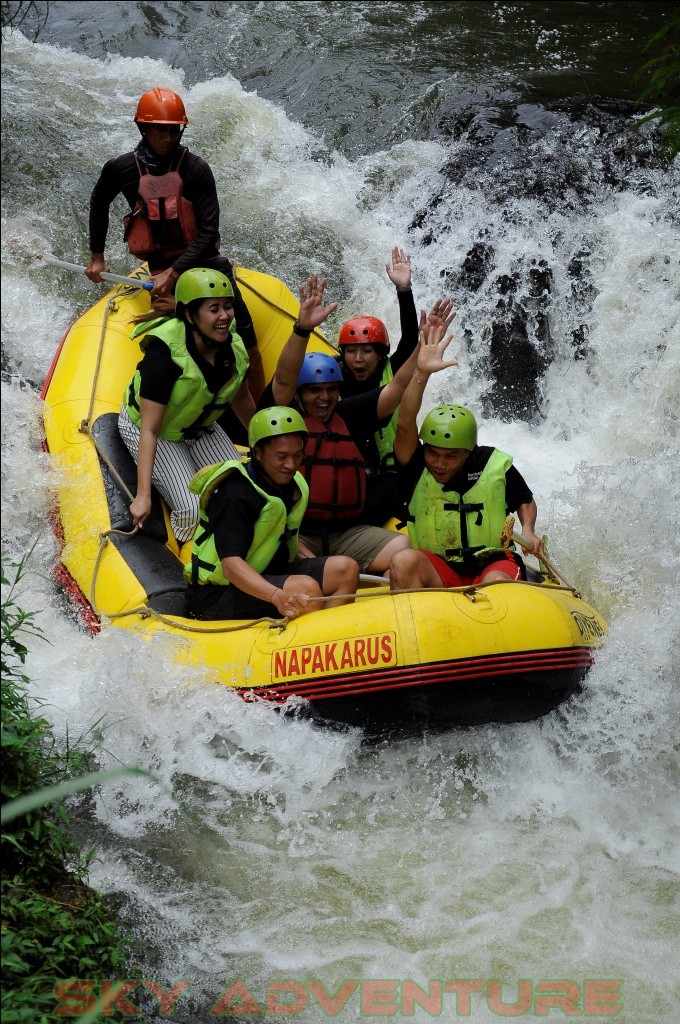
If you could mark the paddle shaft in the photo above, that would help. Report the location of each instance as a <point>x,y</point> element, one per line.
<point>542,558</point>
<point>105,276</point>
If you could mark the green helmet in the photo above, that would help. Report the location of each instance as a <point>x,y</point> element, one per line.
<point>450,426</point>
<point>273,422</point>
<point>202,283</point>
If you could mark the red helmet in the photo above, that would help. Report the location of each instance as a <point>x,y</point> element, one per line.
<point>364,330</point>
<point>160,106</point>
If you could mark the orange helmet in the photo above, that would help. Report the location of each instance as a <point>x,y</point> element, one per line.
<point>364,330</point>
<point>160,106</point>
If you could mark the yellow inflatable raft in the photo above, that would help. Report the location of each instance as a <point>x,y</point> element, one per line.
<point>500,652</point>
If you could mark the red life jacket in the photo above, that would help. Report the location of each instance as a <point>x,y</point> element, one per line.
<point>162,220</point>
<point>335,471</point>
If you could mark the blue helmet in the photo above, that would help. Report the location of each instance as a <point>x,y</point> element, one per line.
<point>318,368</point>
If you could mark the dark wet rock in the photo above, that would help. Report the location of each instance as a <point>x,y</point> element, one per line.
<point>533,165</point>
<point>582,296</point>
<point>516,368</point>
<point>519,345</point>
<point>560,156</point>
<point>476,266</point>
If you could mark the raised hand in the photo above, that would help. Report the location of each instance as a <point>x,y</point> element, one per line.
<point>433,344</point>
<point>400,271</point>
<point>441,313</point>
<point>312,310</point>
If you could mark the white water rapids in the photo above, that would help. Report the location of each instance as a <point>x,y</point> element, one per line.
<point>272,849</point>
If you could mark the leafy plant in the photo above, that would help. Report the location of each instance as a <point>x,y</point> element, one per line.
<point>662,74</point>
<point>53,925</point>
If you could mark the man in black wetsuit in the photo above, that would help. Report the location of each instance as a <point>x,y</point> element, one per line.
<point>174,216</point>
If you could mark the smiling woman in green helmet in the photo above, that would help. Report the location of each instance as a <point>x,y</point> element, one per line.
<point>244,561</point>
<point>194,366</point>
<point>460,492</point>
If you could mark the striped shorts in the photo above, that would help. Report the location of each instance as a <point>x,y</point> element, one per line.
<point>175,464</point>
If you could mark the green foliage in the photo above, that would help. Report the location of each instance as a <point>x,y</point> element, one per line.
<point>66,933</point>
<point>662,83</point>
<point>53,925</point>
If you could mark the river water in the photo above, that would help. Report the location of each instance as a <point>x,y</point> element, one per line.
<point>492,141</point>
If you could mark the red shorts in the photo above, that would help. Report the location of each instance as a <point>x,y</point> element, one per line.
<point>506,564</point>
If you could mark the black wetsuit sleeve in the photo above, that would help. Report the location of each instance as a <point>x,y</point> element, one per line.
<point>408,317</point>
<point>119,175</point>
<point>266,398</point>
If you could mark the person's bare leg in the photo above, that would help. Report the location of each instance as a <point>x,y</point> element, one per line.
<point>411,570</point>
<point>381,563</point>
<point>496,577</point>
<point>341,577</point>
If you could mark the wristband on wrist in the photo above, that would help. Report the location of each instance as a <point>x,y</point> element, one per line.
<point>418,380</point>
<point>272,593</point>
<point>302,332</point>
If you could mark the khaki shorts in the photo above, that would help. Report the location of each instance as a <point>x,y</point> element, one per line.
<point>362,543</point>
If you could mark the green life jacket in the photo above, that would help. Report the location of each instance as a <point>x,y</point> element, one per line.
<point>384,437</point>
<point>456,526</point>
<point>273,524</point>
<point>192,406</point>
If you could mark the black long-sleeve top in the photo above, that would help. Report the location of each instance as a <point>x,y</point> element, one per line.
<point>121,175</point>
